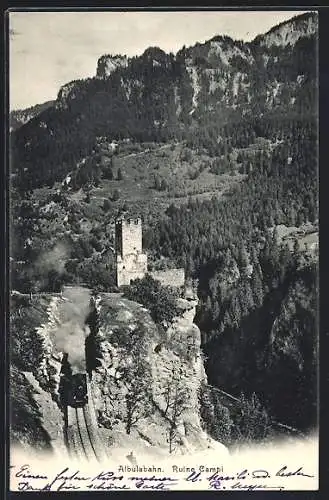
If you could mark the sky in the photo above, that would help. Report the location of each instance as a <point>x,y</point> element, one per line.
<point>49,49</point>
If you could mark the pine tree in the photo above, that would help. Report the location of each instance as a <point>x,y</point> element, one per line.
<point>119,175</point>
<point>257,288</point>
<point>252,423</point>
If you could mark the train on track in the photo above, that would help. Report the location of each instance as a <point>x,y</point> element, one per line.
<point>77,391</point>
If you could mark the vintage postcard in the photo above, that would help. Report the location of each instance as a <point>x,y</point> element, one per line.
<point>163,250</point>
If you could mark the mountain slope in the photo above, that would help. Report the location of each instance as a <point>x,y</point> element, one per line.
<point>289,32</point>
<point>19,117</point>
<point>159,97</point>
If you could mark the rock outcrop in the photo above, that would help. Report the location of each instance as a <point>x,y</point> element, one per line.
<point>107,64</point>
<point>19,117</point>
<point>289,32</point>
<point>162,370</point>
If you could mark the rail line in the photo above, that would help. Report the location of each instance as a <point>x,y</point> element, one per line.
<point>82,439</point>
<point>91,435</point>
<point>92,424</point>
<point>234,401</point>
<point>74,443</point>
<point>82,433</point>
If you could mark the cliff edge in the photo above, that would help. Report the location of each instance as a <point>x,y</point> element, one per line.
<point>146,378</point>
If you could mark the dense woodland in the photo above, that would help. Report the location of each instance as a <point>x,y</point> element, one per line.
<point>247,280</point>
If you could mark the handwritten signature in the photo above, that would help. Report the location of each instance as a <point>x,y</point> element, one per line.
<point>221,481</point>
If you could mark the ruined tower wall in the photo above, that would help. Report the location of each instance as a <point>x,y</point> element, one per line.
<point>129,236</point>
<point>131,268</point>
<point>131,262</point>
<point>170,277</point>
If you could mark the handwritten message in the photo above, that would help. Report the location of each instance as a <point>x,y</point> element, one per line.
<point>26,478</point>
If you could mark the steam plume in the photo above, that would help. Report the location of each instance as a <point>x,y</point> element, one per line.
<point>71,331</point>
<point>53,259</point>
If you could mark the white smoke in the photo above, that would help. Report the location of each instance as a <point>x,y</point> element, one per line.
<point>71,331</point>
<point>54,259</point>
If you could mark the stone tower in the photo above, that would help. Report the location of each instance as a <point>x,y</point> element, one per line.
<point>131,262</point>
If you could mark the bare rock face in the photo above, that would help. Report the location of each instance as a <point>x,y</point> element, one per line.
<point>54,325</point>
<point>107,64</point>
<point>51,415</point>
<point>36,418</point>
<point>147,381</point>
<point>65,92</point>
<point>47,372</point>
<point>145,377</point>
<point>19,117</point>
<point>70,92</point>
<point>288,33</point>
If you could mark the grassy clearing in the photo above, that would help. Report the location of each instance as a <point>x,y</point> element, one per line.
<point>154,178</point>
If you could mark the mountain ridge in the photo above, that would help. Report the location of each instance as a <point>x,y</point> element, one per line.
<point>19,117</point>
<point>308,20</point>
<point>109,63</point>
<point>159,97</point>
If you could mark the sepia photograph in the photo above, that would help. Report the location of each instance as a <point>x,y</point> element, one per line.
<point>163,250</point>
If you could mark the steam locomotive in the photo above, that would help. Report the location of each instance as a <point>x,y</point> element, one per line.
<point>77,392</point>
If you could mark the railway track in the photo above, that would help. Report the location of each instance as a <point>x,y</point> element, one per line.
<point>94,438</point>
<point>233,402</point>
<point>82,442</point>
<point>82,436</point>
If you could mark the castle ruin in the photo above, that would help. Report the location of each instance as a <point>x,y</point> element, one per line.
<point>131,262</point>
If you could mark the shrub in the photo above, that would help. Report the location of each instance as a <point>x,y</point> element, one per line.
<point>186,155</point>
<point>160,300</point>
<point>194,174</point>
<point>116,195</point>
<point>252,422</point>
<point>25,416</point>
<point>160,184</point>
<point>106,205</point>
<point>215,417</point>
<point>27,349</point>
<point>107,173</point>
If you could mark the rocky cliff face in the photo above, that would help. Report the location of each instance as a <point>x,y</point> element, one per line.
<point>289,32</point>
<point>36,418</point>
<point>19,117</point>
<point>292,354</point>
<point>208,76</point>
<point>147,381</point>
<point>274,350</point>
<point>107,64</point>
<point>70,92</point>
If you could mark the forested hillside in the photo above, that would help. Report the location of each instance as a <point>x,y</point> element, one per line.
<point>19,117</point>
<point>159,97</point>
<point>216,147</point>
<point>247,278</point>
